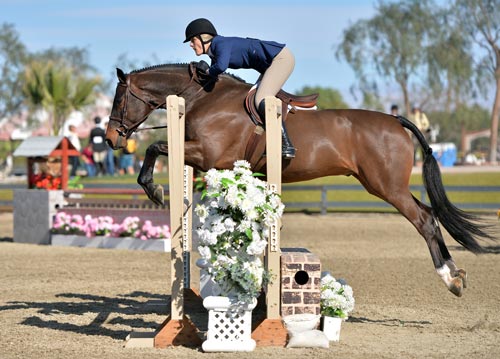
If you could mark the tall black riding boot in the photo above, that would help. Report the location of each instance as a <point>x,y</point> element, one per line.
<point>287,149</point>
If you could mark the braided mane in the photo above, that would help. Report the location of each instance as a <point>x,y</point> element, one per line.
<point>175,65</point>
<point>158,67</point>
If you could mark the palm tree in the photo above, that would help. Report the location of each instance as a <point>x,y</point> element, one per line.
<point>55,88</point>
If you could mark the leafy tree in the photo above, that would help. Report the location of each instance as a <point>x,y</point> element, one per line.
<point>450,63</point>
<point>328,98</point>
<point>13,55</point>
<point>468,118</point>
<point>128,64</point>
<point>371,100</point>
<point>391,45</point>
<point>480,19</point>
<point>57,89</point>
<point>75,58</point>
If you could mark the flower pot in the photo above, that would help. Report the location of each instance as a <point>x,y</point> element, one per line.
<point>331,327</point>
<point>70,240</point>
<point>229,325</point>
<point>208,287</point>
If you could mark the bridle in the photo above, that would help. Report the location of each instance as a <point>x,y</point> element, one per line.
<point>125,130</point>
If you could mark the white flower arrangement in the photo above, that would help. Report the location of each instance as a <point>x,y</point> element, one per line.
<point>235,213</point>
<point>337,298</point>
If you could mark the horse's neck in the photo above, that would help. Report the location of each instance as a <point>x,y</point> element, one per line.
<point>227,92</point>
<point>227,95</point>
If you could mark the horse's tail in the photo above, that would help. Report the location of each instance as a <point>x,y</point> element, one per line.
<point>462,226</point>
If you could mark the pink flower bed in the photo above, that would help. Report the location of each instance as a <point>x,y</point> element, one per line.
<point>89,226</point>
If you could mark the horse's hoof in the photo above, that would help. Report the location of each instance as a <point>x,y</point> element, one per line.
<point>154,192</point>
<point>158,196</point>
<point>463,275</point>
<point>456,286</point>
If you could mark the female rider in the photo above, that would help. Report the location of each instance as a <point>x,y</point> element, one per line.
<point>272,60</point>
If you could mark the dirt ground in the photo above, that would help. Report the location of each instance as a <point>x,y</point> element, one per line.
<point>79,303</point>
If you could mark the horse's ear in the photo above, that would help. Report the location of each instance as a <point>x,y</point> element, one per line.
<point>121,75</point>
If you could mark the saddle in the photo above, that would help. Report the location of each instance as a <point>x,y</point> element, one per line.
<point>290,103</point>
<point>256,144</point>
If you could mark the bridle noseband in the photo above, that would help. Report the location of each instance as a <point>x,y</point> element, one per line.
<point>126,131</point>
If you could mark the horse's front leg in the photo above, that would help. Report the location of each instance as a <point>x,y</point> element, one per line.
<point>154,191</point>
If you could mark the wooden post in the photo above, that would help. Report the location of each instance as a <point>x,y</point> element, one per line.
<point>64,164</point>
<point>175,123</point>
<point>177,329</point>
<point>271,331</point>
<point>273,150</point>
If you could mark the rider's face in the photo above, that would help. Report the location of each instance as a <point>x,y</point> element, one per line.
<point>197,46</point>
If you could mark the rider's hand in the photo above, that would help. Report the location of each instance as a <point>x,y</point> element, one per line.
<point>202,68</point>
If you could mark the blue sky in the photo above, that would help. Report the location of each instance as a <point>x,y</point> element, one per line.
<point>145,28</point>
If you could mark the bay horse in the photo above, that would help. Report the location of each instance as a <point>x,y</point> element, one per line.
<point>373,147</point>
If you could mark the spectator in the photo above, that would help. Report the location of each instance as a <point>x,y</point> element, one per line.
<point>88,160</point>
<point>99,150</point>
<point>395,110</point>
<point>74,161</point>
<point>127,158</point>
<point>110,157</point>
<point>6,166</point>
<point>422,122</point>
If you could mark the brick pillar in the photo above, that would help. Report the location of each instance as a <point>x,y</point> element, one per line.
<point>300,282</point>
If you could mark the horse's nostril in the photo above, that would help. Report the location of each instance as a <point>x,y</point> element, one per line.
<point>109,143</point>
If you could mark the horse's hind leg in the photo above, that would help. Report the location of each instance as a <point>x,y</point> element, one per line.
<point>426,224</point>
<point>450,263</point>
<point>145,179</point>
<point>422,219</point>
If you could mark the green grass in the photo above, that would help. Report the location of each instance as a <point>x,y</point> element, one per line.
<point>449,179</point>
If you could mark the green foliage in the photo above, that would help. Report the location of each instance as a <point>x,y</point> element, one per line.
<point>74,183</point>
<point>72,57</point>
<point>437,55</point>
<point>481,20</point>
<point>13,56</point>
<point>57,89</point>
<point>328,98</point>
<point>450,65</point>
<point>470,118</point>
<point>391,44</point>
<point>371,100</point>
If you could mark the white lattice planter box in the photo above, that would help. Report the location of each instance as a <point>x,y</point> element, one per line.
<point>229,325</point>
<point>67,240</point>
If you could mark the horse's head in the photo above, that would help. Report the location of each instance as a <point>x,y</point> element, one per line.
<point>141,92</point>
<point>131,107</point>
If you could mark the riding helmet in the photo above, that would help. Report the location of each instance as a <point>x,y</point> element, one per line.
<point>198,27</point>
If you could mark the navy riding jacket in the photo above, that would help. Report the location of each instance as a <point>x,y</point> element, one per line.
<point>241,53</point>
